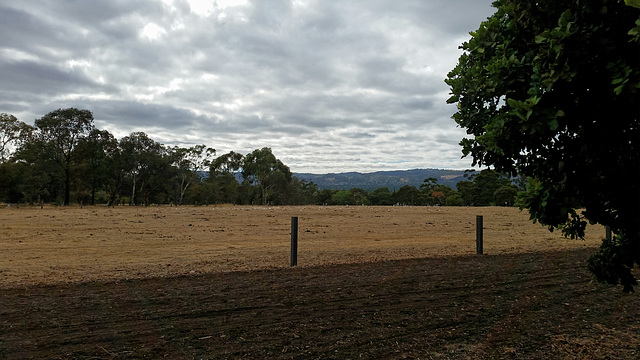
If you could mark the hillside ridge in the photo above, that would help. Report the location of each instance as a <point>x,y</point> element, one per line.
<point>393,179</point>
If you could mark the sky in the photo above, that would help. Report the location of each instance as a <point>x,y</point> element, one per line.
<point>328,85</point>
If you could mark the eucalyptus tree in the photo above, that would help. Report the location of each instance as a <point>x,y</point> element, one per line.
<point>12,132</point>
<point>97,149</point>
<point>381,196</point>
<point>230,163</point>
<point>115,171</point>
<point>302,192</point>
<point>222,177</point>
<point>140,155</point>
<point>432,192</point>
<point>407,195</point>
<point>342,197</point>
<point>191,162</point>
<point>59,133</point>
<point>262,169</point>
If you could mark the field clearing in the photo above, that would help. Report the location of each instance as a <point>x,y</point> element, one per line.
<point>373,283</point>
<point>72,244</point>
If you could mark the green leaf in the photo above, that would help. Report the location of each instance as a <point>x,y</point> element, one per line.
<point>529,113</point>
<point>553,124</point>
<point>540,39</point>
<point>634,3</point>
<point>618,89</point>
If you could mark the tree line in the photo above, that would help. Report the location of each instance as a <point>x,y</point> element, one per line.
<point>63,158</point>
<point>484,188</point>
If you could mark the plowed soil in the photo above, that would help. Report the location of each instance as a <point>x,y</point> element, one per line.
<point>373,283</point>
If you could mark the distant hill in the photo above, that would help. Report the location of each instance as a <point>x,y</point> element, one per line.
<point>391,179</point>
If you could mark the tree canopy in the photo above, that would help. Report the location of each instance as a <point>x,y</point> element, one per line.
<point>550,90</point>
<point>11,131</point>
<point>59,133</point>
<point>263,169</point>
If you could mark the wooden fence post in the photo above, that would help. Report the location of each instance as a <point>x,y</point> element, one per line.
<point>294,241</point>
<point>479,239</point>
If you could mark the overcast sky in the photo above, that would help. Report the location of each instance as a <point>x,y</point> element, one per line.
<point>329,85</point>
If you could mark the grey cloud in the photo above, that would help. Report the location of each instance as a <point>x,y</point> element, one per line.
<point>358,135</point>
<point>270,14</point>
<point>348,85</point>
<point>32,77</point>
<point>130,116</point>
<point>23,27</point>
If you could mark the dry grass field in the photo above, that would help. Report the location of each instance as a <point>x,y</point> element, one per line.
<point>372,283</point>
<point>73,244</point>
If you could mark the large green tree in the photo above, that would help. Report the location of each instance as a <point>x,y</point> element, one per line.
<point>115,171</point>
<point>142,158</point>
<point>222,177</point>
<point>93,173</point>
<point>407,195</point>
<point>381,196</point>
<point>551,90</point>
<point>261,168</point>
<point>190,162</point>
<point>60,132</point>
<point>486,183</point>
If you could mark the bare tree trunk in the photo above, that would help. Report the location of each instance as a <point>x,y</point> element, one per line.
<point>133,193</point>
<point>183,188</point>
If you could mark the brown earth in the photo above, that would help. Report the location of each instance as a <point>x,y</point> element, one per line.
<point>404,284</point>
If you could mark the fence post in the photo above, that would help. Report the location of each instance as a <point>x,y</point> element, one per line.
<point>294,241</point>
<point>479,239</point>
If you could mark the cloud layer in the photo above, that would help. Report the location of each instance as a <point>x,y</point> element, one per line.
<point>329,85</point>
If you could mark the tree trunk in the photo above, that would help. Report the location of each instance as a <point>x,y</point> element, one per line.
<point>264,194</point>
<point>133,193</point>
<point>145,192</point>
<point>67,186</point>
<point>93,188</point>
<point>183,189</point>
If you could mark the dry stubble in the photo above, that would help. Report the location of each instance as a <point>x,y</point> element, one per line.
<point>54,245</point>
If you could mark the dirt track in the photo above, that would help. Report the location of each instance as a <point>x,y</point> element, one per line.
<point>514,306</point>
<point>58,245</point>
<point>374,283</point>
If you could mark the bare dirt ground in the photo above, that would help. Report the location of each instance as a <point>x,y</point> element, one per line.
<point>56,244</point>
<point>374,283</point>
